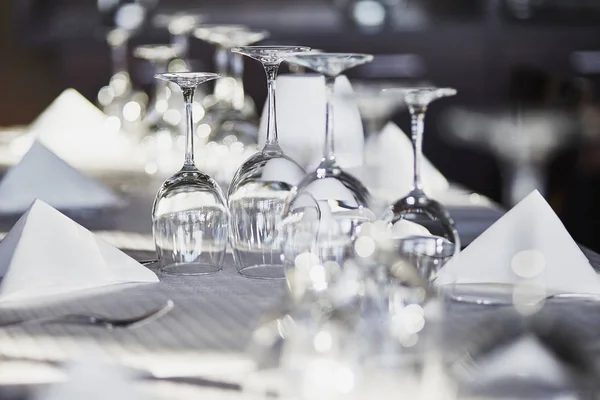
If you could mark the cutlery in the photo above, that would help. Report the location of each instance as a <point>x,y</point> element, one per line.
<point>98,320</point>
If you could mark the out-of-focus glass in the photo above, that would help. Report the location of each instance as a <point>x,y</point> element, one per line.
<point>523,143</point>
<point>161,122</point>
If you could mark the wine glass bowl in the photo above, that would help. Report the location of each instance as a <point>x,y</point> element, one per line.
<point>190,224</point>
<point>256,199</point>
<point>189,216</point>
<point>329,64</point>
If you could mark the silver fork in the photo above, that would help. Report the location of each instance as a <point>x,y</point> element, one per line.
<point>98,320</point>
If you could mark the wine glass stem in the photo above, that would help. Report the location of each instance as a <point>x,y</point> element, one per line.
<point>272,138</point>
<point>222,63</point>
<point>183,42</point>
<point>160,93</point>
<point>119,58</point>
<point>188,97</point>
<point>237,71</point>
<point>329,149</point>
<point>418,127</point>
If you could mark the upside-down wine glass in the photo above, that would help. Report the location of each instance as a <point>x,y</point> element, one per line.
<point>262,183</point>
<point>118,99</point>
<point>180,26</point>
<point>343,200</point>
<point>160,126</point>
<point>416,206</point>
<point>229,112</point>
<point>189,215</point>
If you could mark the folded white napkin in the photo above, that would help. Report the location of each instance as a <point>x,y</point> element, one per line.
<point>93,378</point>
<point>80,133</point>
<point>529,245</point>
<point>46,253</point>
<point>388,169</point>
<point>41,174</point>
<point>525,359</point>
<point>301,120</point>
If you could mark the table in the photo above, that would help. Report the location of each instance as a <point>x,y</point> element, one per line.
<point>213,318</point>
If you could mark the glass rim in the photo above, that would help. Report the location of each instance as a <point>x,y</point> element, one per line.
<point>326,55</point>
<point>270,47</point>
<point>421,89</point>
<point>187,74</point>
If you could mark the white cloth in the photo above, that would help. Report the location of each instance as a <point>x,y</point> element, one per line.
<point>301,120</point>
<point>81,134</point>
<point>524,359</point>
<point>42,175</point>
<point>93,378</point>
<point>46,254</point>
<point>529,245</point>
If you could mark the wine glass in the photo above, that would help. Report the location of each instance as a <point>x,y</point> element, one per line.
<point>262,183</point>
<point>180,26</point>
<point>189,215</point>
<point>523,143</point>
<point>160,127</point>
<point>229,112</point>
<point>118,99</point>
<point>343,200</point>
<point>417,206</point>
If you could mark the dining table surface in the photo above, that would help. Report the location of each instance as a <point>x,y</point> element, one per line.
<point>209,329</point>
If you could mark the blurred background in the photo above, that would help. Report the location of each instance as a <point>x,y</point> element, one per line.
<point>499,54</point>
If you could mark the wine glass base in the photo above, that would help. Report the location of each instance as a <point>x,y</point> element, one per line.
<point>263,271</point>
<point>188,269</point>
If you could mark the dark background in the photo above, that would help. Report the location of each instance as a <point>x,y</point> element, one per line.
<point>497,53</point>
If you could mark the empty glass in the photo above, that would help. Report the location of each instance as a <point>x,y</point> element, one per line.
<point>160,126</point>
<point>159,55</point>
<point>180,26</point>
<point>262,183</point>
<point>230,113</point>
<point>118,99</point>
<point>417,206</point>
<point>523,143</point>
<point>343,200</point>
<point>189,216</point>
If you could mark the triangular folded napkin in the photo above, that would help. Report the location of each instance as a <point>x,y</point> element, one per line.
<point>81,134</point>
<point>529,245</point>
<point>46,253</point>
<point>523,359</point>
<point>301,120</point>
<point>91,377</point>
<point>42,175</point>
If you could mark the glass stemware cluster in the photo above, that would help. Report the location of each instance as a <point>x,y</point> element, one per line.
<point>277,218</point>
<point>353,279</point>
